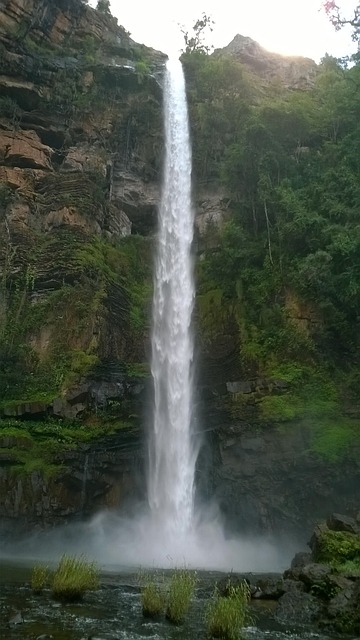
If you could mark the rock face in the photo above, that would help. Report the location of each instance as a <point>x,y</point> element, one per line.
<point>293,72</point>
<point>103,476</point>
<point>80,151</point>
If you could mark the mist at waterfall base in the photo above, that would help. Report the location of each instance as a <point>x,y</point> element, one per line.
<point>172,530</point>
<point>129,542</point>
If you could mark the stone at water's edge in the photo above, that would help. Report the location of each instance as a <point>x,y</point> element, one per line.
<point>332,597</point>
<point>312,593</point>
<point>297,607</point>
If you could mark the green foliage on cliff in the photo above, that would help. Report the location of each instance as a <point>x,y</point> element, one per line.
<point>50,341</point>
<point>37,445</point>
<point>337,547</point>
<point>284,277</point>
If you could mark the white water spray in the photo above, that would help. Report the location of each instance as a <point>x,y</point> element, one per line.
<point>172,451</point>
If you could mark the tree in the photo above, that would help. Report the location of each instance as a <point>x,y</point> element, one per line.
<point>103,6</point>
<point>338,20</point>
<point>195,42</point>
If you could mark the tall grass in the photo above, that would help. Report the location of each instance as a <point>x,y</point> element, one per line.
<point>181,589</point>
<point>39,577</point>
<point>73,577</point>
<point>153,597</point>
<point>227,615</point>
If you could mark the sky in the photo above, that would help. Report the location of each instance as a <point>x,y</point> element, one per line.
<point>290,27</point>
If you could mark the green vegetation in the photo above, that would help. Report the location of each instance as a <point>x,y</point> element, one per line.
<point>10,109</point>
<point>73,577</point>
<point>181,589</point>
<point>153,596</point>
<point>36,445</point>
<point>39,578</point>
<point>103,6</point>
<point>350,567</point>
<point>333,439</point>
<point>338,547</point>
<point>279,285</point>
<point>195,40</point>
<point>227,615</point>
<point>325,589</point>
<point>109,283</point>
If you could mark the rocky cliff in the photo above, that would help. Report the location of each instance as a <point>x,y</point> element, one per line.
<point>294,72</point>
<point>80,163</point>
<point>80,155</point>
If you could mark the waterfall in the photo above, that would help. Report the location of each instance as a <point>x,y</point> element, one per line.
<point>83,485</point>
<point>172,452</point>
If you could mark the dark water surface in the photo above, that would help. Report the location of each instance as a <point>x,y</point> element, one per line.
<point>114,612</point>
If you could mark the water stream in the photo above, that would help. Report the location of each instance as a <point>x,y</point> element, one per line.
<point>114,613</point>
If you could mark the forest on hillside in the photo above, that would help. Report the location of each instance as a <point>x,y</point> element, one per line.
<point>287,263</point>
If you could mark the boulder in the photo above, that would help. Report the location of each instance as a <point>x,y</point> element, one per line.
<point>270,588</point>
<point>314,574</point>
<point>343,610</point>
<point>315,540</point>
<point>24,149</point>
<point>338,522</point>
<point>300,559</point>
<point>293,585</point>
<point>297,607</point>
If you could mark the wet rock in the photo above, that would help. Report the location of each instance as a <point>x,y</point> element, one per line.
<point>16,619</point>
<point>315,540</point>
<point>240,386</point>
<point>300,559</point>
<point>231,581</point>
<point>314,573</point>
<point>297,607</point>
<point>44,636</point>
<point>343,611</point>
<point>332,596</point>
<point>270,589</point>
<point>293,585</point>
<point>338,522</point>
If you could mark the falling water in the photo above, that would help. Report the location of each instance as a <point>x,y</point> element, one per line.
<point>172,453</point>
<point>83,485</point>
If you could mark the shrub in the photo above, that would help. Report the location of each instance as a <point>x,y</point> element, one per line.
<point>351,567</point>
<point>181,589</point>
<point>39,578</point>
<point>337,547</point>
<point>226,615</point>
<point>73,577</point>
<point>153,599</point>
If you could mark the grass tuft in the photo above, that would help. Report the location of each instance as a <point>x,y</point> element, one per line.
<point>153,598</point>
<point>226,615</point>
<point>39,578</point>
<point>181,589</point>
<point>73,577</point>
